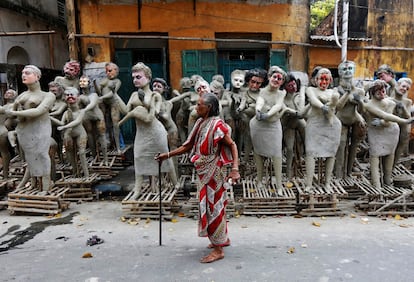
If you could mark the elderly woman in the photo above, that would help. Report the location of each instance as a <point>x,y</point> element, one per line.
<point>265,127</point>
<point>211,148</point>
<point>34,129</point>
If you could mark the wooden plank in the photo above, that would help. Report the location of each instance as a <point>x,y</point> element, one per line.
<point>34,210</point>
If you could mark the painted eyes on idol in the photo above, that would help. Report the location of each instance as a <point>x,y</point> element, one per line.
<point>277,77</point>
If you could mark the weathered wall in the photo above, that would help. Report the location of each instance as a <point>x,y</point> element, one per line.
<point>390,25</point>
<point>46,51</point>
<point>284,20</point>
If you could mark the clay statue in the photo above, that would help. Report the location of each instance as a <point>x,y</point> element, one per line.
<point>11,121</point>
<point>323,128</point>
<point>75,138</point>
<point>219,78</point>
<point>7,124</point>
<point>184,108</point>
<point>60,105</point>
<point>166,119</point>
<point>94,120</point>
<point>34,128</point>
<point>57,110</point>
<point>383,132</point>
<point>349,107</point>
<point>293,124</point>
<point>387,74</point>
<point>71,71</point>
<point>201,86</point>
<point>151,136</point>
<point>230,102</point>
<point>218,89</point>
<point>160,85</point>
<point>266,129</point>
<point>312,78</point>
<point>403,110</point>
<point>255,78</point>
<point>108,91</point>
<point>9,97</point>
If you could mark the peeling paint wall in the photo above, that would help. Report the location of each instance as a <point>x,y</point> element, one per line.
<point>284,20</point>
<point>390,24</point>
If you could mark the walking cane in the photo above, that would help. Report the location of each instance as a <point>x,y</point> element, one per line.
<point>160,188</point>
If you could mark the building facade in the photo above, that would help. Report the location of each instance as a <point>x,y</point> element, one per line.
<point>31,32</point>
<point>181,38</point>
<point>379,32</point>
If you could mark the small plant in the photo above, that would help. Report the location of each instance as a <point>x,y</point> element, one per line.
<point>319,10</point>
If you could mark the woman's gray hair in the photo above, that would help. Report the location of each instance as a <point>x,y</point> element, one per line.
<point>212,101</point>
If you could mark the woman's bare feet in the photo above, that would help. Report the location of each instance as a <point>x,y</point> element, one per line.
<point>215,254</point>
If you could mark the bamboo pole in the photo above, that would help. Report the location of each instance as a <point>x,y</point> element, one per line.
<point>71,24</point>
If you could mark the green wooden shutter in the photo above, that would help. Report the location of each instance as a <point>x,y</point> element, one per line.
<point>278,58</point>
<point>202,62</point>
<point>208,63</point>
<point>190,62</point>
<point>123,59</point>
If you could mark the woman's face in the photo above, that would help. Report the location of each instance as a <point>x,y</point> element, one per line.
<point>139,79</point>
<point>29,76</point>
<point>202,109</point>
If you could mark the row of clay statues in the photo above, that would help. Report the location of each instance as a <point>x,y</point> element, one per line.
<point>273,113</point>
